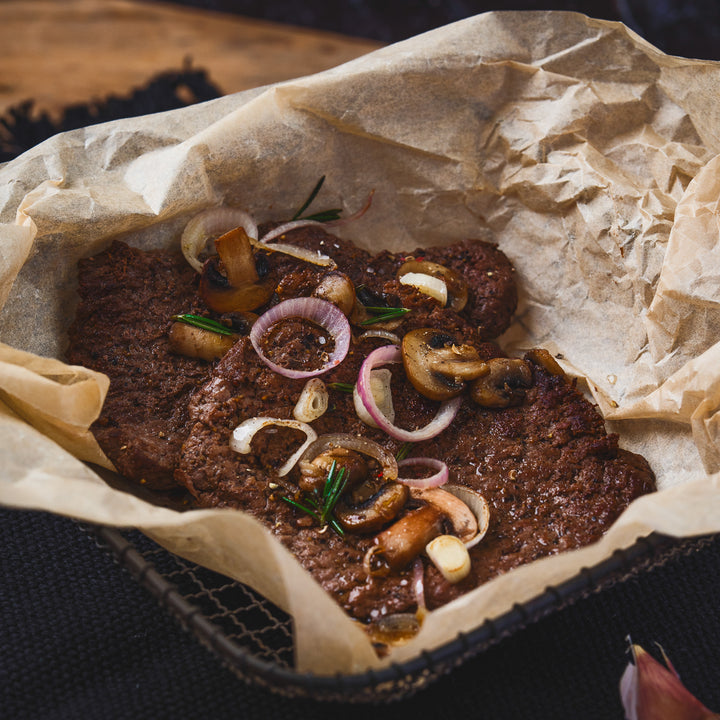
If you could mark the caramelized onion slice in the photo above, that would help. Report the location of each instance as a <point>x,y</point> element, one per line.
<point>392,354</point>
<point>439,477</point>
<point>318,311</point>
<point>357,443</point>
<point>241,438</point>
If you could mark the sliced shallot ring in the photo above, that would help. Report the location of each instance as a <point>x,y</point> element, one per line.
<point>382,335</point>
<point>214,221</point>
<point>300,253</point>
<point>359,444</point>
<point>311,256</point>
<point>241,438</point>
<point>380,387</point>
<point>392,354</point>
<point>479,506</point>
<point>286,228</point>
<point>318,311</point>
<point>438,478</point>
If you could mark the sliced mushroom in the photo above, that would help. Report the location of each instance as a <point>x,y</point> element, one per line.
<point>373,512</point>
<point>196,342</point>
<point>457,288</point>
<point>231,282</point>
<point>478,506</point>
<point>337,288</point>
<point>504,385</point>
<point>314,473</point>
<point>540,356</point>
<point>462,519</point>
<point>437,365</point>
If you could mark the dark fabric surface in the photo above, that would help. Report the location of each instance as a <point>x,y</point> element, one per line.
<point>81,638</point>
<point>679,27</point>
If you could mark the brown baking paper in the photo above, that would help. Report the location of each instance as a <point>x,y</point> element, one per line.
<point>585,153</point>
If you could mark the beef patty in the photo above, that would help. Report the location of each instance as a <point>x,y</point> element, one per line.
<point>553,478</point>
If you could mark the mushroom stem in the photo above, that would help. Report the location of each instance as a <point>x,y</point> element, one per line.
<point>405,539</point>
<point>463,520</point>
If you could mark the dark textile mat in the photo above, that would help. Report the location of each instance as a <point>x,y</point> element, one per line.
<point>81,639</point>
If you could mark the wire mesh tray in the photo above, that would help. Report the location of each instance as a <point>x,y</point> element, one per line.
<point>254,638</point>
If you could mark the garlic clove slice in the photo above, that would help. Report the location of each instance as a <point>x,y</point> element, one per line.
<point>450,556</point>
<point>433,286</point>
<point>313,401</point>
<point>380,380</point>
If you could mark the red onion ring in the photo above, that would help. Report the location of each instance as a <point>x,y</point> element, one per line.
<point>318,311</point>
<point>295,224</point>
<point>418,581</point>
<point>392,354</point>
<point>214,221</point>
<point>438,478</point>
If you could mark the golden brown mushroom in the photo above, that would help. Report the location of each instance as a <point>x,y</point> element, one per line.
<point>231,282</point>
<point>504,385</point>
<point>437,365</point>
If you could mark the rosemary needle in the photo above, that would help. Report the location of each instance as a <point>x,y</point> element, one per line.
<point>203,323</point>
<point>384,314</point>
<point>320,506</point>
<point>342,387</point>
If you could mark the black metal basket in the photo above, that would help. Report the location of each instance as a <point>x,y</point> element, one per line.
<point>254,638</point>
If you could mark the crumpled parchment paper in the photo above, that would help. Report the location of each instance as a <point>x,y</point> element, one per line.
<point>585,153</point>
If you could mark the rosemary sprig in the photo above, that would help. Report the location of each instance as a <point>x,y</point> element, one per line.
<point>342,387</point>
<point>384,313</point>
<point>320,506</point>
<point>203,323</point>
<point>323,215</point>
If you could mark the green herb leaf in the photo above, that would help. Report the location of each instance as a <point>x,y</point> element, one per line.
<point>311,197</point>
<point>403,451</point>
<point>342,387</point>
<point>203,323</point>
<point>385,314</point>
<point>320,506</point>
<point>325,215</point>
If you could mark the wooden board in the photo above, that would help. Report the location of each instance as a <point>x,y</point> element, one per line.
<point>75,51</point>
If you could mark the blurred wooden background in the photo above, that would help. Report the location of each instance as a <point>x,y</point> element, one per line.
<point>60,53</point>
